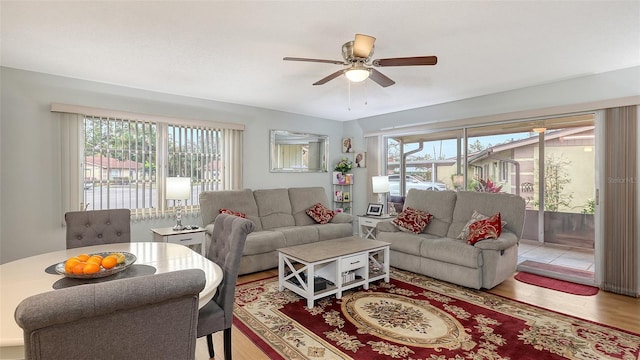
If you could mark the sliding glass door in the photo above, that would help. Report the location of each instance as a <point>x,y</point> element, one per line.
<point>549,162</point>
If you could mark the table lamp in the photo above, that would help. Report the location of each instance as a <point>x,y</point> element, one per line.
<point>380,186</point>
<point>178,188</point>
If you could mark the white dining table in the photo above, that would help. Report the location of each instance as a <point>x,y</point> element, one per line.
<point>22,278</point>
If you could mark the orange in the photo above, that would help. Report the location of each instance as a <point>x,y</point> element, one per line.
<point>79,268</point>
<point>69,264</point>
<point>96,259</point>
<point>91,268</point>
<point>83,257</point>
<point>109,262</point>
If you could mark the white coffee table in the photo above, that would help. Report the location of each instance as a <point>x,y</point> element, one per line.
<point>345,263</point>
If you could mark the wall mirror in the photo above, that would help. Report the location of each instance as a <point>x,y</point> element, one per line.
<point>298,152</point>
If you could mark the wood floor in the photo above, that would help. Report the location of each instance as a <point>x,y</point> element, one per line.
<point>615,310</point>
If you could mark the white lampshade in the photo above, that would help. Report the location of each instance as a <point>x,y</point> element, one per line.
<point>357,74</point>
<point>380,184</point>
<point>178,188</point>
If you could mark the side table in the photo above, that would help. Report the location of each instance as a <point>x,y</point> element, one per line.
<point>193,238</point>
<point>367,225</point>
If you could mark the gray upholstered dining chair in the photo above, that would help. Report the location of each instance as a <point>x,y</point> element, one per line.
<point>227,243</point>
<point>146,317</point>
<point>97,227</point>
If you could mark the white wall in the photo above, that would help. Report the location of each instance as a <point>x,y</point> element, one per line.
<point>30,202</point>
<point>582,90</point>
<point>30,160</point>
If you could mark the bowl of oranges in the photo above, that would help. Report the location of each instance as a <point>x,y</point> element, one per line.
<point>91,266</point>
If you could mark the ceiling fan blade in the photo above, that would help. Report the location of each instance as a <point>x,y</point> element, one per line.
<point>380,78</point>
<point>407,61</point>
<point>314,60</point>
<point>329,78</point>
<point>363,45</point>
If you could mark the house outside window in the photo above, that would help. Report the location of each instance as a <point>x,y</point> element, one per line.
<point>504,171</point>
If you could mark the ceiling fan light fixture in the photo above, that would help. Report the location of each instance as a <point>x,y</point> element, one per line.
<point>357,74</point>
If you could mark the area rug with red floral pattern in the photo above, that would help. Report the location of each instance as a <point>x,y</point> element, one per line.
<point>415,317</point>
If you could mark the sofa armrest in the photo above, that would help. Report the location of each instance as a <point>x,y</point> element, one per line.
<point>209,229</point>
<point>386,226</point>
<point>342,218</point>
<point>506,240</point>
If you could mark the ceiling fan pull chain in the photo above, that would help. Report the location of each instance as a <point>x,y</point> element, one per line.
<point>366,93</point>
<point>349,94</point>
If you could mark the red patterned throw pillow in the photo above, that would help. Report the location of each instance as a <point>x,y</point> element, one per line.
<point>489,228</point>
<point>232,212</point>
<point>412,220</point>
<point>320,213</point>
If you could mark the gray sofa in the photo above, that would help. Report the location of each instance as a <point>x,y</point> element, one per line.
<point>437,253</point>
<point>280,221</point>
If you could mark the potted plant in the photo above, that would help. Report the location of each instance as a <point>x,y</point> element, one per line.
<point>344,166</point>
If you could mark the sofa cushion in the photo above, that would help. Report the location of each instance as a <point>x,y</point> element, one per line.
<point>303,198</point>
<point>341,218</point>
<point>511,207</point>
<point>506,240</point>
<point>298,235</point>
<point>440,204</point>
<point>239,200</point>
<point>274,208</point>
<point>263,242</point>
<point>333,230</point>
<point>232,212</point>
<point>405,242</point>
<point>451,251</point>
<point>412,220</point>
<point>489,228</point>
<point>320,213</point>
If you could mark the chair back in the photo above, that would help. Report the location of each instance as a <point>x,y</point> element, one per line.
<point>97,227</point>
<point>227,243</point>
<point>146,317</point>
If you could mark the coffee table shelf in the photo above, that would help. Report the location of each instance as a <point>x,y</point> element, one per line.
<point>352,257</point>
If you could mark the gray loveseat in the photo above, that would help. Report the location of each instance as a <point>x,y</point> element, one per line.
<point>280,221</point>
<point>437,253</point>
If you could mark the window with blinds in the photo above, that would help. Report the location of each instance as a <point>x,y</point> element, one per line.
<point>126,162</point>
<point>196,153</point>
<point>119,164</point>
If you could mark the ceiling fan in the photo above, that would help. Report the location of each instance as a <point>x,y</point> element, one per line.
<point>357,59</point>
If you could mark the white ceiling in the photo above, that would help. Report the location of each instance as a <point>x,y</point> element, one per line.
<point>232,51</point>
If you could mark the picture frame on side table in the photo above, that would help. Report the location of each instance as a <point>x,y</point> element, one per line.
<point>374,209</point>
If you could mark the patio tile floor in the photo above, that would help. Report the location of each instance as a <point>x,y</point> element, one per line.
<point>550,259</point>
